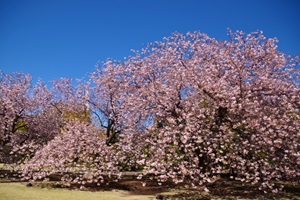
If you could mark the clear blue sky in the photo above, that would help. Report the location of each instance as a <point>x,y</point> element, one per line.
<point>66,38</point>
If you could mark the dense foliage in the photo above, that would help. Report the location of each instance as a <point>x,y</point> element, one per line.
<point>186,109</point>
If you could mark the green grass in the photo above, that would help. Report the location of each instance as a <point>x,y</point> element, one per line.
<point>19,191</point>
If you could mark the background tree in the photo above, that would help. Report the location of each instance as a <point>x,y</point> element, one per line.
<point>31,115</point>
<point>24,127</point>
<point>79,147</point>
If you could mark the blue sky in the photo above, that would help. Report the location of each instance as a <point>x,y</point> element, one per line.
<point>66,38</point>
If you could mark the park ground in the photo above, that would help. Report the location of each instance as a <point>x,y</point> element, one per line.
<point>132,189</point>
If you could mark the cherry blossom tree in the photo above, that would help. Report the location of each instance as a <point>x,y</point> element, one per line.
<point>31,115</point>
<point>192,107</point>
<point>79,149</point>
<point>105,100</point>
<point>187,109</point>
<point>24,126</point>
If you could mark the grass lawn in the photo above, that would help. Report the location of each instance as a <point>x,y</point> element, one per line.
<point>19,191</point>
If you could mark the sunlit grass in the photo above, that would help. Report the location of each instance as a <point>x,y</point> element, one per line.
<point>19,191</point>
